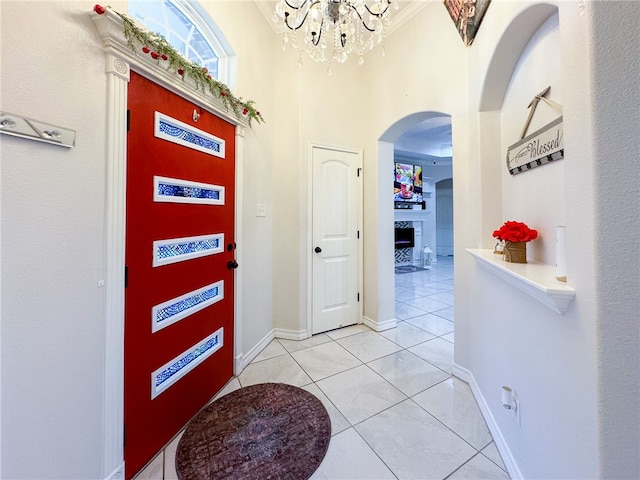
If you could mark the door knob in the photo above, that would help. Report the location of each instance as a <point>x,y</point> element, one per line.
<point>317,250</point>
<point>232,264</point>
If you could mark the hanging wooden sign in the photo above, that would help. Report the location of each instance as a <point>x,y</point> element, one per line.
<point>541,147</point>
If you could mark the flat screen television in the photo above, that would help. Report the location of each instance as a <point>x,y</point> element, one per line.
<point>407,183</point>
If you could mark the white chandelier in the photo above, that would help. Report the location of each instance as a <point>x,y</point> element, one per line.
<point>333,28</point>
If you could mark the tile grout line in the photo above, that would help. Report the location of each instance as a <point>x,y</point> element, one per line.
<point>407,397</point>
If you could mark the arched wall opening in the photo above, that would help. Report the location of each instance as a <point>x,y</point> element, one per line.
<point>385,255</point>
<point>497,78</point>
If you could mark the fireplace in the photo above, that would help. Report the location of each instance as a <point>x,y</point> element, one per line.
<point>404,237</point>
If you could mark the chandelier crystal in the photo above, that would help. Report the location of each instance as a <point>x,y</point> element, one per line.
<point>332,29</point>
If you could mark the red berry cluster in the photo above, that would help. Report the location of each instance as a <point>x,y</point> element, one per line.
<point>154,55</point>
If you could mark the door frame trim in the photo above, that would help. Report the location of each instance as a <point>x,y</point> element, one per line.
<point>120,60</point>
<point>309,241</point>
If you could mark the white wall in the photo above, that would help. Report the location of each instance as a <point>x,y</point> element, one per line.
<point>53,202</point>
<point>504,337</point>
<point>439,172</point>
<point>616,105</point>
<point>53,230</point>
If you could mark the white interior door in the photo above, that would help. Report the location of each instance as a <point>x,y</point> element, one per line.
<point>444,221</point>
<point>335,296</point>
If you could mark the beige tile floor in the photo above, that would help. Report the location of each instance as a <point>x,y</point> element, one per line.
<point>396,411</point>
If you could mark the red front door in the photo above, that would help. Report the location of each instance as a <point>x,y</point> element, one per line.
<point>179,242</point>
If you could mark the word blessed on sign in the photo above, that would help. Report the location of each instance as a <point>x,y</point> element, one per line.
<point>543,146</point>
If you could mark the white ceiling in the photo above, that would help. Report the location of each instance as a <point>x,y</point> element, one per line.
<point>426,139</point>
<point>429,138</point>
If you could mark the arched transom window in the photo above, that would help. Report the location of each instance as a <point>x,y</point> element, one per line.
<point>189,30</point>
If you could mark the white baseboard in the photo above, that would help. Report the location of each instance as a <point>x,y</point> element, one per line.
<point>246,359</point>
<point>505,452</point>
<point>379,326</point>
<point>290,334</point>
<point>241,361</point>
<point>238,365</point>
<point>117,474</point>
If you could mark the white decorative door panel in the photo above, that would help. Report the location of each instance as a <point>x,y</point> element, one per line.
<point>335,234</point>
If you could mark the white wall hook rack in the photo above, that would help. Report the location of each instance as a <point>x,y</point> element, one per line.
<point>19,126</point>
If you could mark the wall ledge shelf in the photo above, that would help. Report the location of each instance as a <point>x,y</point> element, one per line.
<point>535,279</point>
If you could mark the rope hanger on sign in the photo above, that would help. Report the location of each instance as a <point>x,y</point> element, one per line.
<point>534,103</point>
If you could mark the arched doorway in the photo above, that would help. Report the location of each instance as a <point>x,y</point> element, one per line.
<point>424,281</point>
<point>403,133</point>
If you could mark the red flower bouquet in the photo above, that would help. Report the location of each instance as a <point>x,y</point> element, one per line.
<point>514,236</point>
<point>515,232</point>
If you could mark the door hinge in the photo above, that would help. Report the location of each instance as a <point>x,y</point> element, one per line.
<point>358,233</point>
<point>126,276</point>
<point>359,170</point>
<point>358,296</point>
<point>128,120</point>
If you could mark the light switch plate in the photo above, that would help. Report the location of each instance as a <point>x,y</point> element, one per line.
<point>261,210</point>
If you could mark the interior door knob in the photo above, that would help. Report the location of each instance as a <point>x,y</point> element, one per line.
<point>317,250</point>
<point>232,264</point>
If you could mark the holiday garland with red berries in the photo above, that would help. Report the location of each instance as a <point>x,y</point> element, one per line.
<point>157,47</point>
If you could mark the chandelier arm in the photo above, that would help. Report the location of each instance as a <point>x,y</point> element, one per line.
<point>286,15</point>
<point>379,15</point>
<point>362,19</point>
<point>294,7</point>
<point>315,44</point>
<point>286,22</point>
